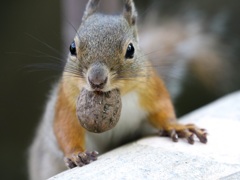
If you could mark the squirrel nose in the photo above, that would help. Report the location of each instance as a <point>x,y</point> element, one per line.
<point>97,83</point>
<point>97,76</point>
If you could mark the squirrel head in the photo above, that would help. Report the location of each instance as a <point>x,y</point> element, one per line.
<point>105,53</point>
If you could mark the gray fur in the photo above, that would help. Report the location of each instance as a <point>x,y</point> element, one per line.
<point>130,12</point>
<point>90,8</point>
<point>103,38</point>
<point>45,158</point>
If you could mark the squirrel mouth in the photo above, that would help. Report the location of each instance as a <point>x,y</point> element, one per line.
<point>98,90</point>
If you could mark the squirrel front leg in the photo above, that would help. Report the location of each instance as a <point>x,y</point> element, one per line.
<point>157,102</point>
<point>70,134</point>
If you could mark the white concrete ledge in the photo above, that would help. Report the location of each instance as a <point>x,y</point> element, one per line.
<point>160,158</point>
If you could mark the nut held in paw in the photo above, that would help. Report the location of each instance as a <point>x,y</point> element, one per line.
<point>99,111</point>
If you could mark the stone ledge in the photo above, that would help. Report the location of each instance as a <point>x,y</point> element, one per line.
<point>159,158</point>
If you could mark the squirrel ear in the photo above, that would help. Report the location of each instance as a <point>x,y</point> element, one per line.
<point>130,12</point>
<point>91,8</point>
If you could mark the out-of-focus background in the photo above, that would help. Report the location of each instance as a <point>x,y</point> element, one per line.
<point>206,34</point>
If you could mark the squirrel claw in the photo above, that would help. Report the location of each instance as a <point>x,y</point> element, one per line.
<point>173,135</point>
<point>81,159</point>
<point>200,133</point>
<point>185,131</point>
<point>92,154</point>
<point>69,163</point>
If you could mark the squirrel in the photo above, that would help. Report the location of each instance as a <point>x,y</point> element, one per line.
<point>104,55</point>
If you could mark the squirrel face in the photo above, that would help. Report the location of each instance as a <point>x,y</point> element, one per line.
<point>105,52</point>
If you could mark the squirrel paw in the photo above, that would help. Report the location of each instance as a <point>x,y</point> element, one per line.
<point>185,131</point>
<point>81,159</point>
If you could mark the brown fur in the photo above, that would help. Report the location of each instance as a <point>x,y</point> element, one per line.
<point>68,131</point>
<point>155,99</point>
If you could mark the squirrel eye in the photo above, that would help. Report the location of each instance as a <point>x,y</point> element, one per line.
<point>130,51</point>
<point>72,49</point>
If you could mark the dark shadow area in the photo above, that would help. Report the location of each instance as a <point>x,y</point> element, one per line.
<point>24,89</point>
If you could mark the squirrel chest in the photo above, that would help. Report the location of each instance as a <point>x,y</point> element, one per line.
<point>130,126</point>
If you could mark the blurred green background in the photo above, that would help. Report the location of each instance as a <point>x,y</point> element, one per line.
<point>25,27</point>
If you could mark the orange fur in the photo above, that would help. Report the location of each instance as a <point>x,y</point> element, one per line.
<point>69,132</point>
<point>154,98</point>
